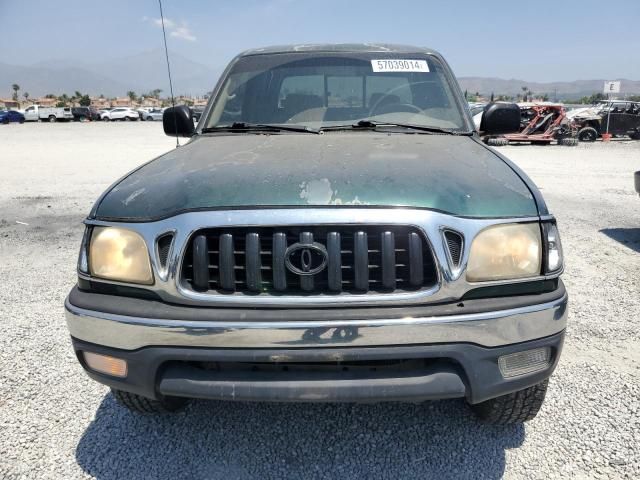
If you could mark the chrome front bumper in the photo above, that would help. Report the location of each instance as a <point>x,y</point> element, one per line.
<point>488,329</point>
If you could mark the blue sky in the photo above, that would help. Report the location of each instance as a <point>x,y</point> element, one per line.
<point>536,41</point>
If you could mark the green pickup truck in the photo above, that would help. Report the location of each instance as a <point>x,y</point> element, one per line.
<point>334,230</point>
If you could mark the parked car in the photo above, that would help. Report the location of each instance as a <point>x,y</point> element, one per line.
<point>120,113</point>
<point>334,230</point>
<point>151,115</point>
<point>7,116</point>
<point>83,114</point>
<point>618,117</point>
<point>50,114</point>
<point>636,181</point>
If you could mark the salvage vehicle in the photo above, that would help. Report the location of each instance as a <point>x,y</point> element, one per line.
<point>540,124</point>
<point>8,116</point>
<point>618,117</point>
<point>334,230</point>
<point>36,113</point>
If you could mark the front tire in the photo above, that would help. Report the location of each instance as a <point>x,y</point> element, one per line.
<point>498,142</point>
<point>144,405</point>
<point>568,141</point>
<point>517,407</point>
<point>588,134</point>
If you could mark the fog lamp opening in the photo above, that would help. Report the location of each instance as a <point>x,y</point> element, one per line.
<point>116,367</point>
<point>521,363</point>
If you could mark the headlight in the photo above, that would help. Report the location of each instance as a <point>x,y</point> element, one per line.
<point>119,254</point>
<point>504,252</point>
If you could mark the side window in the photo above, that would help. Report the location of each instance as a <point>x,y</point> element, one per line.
<point>345,92</point>
<point>395,88</point>
<point>30,109</point>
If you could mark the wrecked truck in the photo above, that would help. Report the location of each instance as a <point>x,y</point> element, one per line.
<point>618,117</point>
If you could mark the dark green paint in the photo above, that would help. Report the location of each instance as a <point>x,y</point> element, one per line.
<point>453,174</point>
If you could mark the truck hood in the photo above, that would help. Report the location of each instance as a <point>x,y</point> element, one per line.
<point>452,174</point>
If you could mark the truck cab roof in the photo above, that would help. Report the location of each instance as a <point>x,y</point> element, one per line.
<point>338,48</point>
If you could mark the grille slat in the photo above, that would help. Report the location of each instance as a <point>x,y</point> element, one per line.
<point>360,259</point>
<point>279,269</point>
<point>201,261</point>
<point>388,260</point>
<point>335,262</point>
<point>227,262</point>
<point>253,262</point>
<point>416,274</point>
<point>306,281</point>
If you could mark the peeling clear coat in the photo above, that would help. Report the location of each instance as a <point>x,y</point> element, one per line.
<point>452,174</point>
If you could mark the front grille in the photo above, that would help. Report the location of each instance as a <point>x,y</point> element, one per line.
<point>282,260</point>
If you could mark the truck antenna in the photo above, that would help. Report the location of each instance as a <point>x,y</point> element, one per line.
<point>166,54</point>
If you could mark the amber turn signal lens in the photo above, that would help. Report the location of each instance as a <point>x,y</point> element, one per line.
<point>116,367</point>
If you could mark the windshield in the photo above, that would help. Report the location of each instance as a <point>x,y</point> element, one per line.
<point>327,89</point>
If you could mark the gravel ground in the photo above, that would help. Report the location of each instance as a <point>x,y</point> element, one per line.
<point>56,423</point>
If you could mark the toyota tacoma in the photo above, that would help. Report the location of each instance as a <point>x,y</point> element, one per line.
<point>333,230</point>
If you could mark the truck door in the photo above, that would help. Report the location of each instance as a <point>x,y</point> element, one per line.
<point>617,119</point>
<point>31,113</point>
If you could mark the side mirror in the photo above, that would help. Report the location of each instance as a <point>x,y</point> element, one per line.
<point>500,118</point>
<point>177,121</point>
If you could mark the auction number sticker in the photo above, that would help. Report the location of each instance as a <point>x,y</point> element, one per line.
<point>399,65</point>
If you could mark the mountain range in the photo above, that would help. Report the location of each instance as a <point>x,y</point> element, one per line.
<point>113,78</point>
<point>148,70</point>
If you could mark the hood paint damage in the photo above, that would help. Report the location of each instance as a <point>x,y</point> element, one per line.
<point>453,174</point>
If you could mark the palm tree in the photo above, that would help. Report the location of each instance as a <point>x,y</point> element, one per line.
<point>15,88</point>
<point>75,98</point>
<point>132,95</point>
<point>26,96</point>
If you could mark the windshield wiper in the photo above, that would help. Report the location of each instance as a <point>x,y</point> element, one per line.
<point>373,125</point>
<point>259,127</point>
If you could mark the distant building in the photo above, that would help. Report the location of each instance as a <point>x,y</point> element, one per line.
<point>122,102</point>
<point>150,102</point>
<point>45,102</point>
<point>98,102</point>
<point>9,103</point>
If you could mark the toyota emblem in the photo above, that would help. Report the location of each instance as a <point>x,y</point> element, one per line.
<point>306,258</point>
